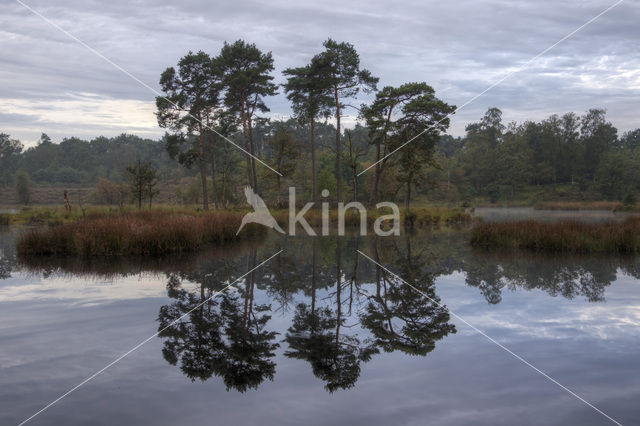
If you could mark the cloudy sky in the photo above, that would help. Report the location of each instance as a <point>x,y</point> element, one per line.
<point>52,84</point>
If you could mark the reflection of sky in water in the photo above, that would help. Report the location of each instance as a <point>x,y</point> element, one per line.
<point>56,331</point>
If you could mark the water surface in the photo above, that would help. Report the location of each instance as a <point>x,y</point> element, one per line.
<point>321,335</point>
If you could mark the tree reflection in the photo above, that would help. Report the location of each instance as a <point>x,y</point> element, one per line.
<point>7,252</point>
<point>225,336</point>
<point>317,338</point>
<point>567,276</point>
<point>344,309</point>
<point>196,340</point>
<point>405,317</point>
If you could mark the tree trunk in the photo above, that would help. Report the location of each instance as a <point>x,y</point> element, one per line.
<point>246,144</point>
<point>338,148</point>
<point>376,178</point>
<point>224,178</point>
<point>313,276</point>
<point>314,177</point>
<point>203,173</point>
<point>253,153</point>
<point>213,173</point>
<point>408,200</point>
<point>339,288</point>
<point>355,182</point>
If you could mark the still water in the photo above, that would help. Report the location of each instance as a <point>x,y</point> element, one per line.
<point>321,335</point>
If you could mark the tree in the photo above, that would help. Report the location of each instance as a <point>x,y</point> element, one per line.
<point>354,152</point>
<point>10,150</point>
<point>107,192</point>
<point>191,97</point>
<point>481,149</point>
<point>514,160</point>
<point>142,180</point>
<point>245,73</point>
<point>224,124</point>
<point>411,111</point>
<point>44,139</point>
<point>286,153</point>
<point>339,66</point>
<point>631,139</point>
<point>151,183</point>
<point>23,187</point>
<point>597,135</point>
<point>571,147</point>
<point>306,89</point>
<point>387,116</point>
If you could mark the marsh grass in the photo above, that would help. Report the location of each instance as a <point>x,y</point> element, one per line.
<point>565,236</point>
<point>110,231</point>
<point>152,232</point>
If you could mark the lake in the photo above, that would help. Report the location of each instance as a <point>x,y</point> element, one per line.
<point>322,335</point>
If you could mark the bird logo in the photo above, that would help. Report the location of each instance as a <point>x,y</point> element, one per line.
<point>261,213</point>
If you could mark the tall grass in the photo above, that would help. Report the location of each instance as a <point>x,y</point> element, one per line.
<point>152,232</point>
<point>566,236</point>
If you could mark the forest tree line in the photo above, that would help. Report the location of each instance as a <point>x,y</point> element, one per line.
<point>211,103</point>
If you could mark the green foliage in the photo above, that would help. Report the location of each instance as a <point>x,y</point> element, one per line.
<point>629,199</point>
<point>408,112</point>
<point>10,150</point>
<point>339,69</point>
<point>142,181</point>
<point>23,187</point>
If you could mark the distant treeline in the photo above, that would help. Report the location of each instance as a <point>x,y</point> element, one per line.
<point>492,160</point>
<point>500,161</point>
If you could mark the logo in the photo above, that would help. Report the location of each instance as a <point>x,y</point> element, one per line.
<point>261,213</point>
<point>263,216</point>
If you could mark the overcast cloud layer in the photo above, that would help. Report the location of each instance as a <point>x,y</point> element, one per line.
<point>52,84</point>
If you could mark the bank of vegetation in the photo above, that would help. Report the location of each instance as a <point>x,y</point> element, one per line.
<point>152,232</point>
<point>104,231</point>
<point>565,236</point>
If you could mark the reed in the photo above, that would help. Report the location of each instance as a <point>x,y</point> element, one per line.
<point>565,236</point>
<point>152,232</point>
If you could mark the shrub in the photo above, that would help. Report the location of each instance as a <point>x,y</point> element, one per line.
<point>108,192</point>
<point>629,199</point>
<point>23,187</point>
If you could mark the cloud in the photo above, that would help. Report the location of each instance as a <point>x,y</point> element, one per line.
<point>459,48</point>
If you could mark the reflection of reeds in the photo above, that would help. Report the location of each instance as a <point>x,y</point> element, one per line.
<point>141,233</point>
<point>112,267</point>
<point>565,236</point>
<point>419,217</point>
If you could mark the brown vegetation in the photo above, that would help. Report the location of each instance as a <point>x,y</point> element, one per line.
<point>142,233</point>
<point>566,236</point>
